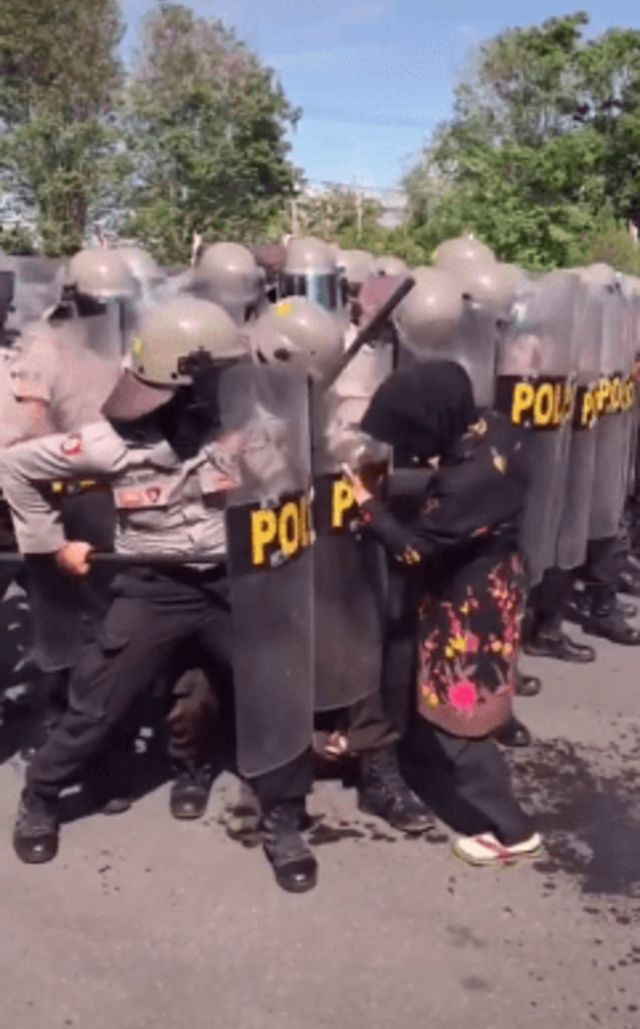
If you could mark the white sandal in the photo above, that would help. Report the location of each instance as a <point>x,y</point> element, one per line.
<point>486,849</point>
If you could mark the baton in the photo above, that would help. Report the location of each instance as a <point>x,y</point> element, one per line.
<point>370,330</point>
<point>158,560</point>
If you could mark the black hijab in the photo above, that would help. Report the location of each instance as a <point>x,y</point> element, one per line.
<point>423,410</point>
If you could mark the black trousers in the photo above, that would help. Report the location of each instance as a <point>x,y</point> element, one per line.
<point>603,562</point>
<point>151,616</point>
<point>481,786</point>
<point>548,601</point>
<point>368,725</point>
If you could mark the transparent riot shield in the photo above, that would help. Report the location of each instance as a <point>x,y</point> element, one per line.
<point>535,389</point>
<point>475,346</point>
<point>581,483</point>
<point>634,328</point>
<point>616,418</point>
<point>264,414</point>
<point>38,287</point>
<point>349,568</point>
<point>472,343</point>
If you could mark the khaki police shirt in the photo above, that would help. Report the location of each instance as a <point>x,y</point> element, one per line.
<point>18,421</point>
<point>56,368</point>
<point>164,505</point>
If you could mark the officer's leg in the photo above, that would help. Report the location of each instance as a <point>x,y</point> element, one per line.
<point>381,789</point>
<point>604,617</point>
<point>282,797</point>
<point>139,636</point>
<point>193,724</point>
<point>544,636</point>
<point>281,792</point>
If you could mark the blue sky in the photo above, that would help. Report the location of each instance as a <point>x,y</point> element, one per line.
<point>374,77</point>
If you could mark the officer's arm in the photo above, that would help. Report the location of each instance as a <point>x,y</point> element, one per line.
<point>96,451</point>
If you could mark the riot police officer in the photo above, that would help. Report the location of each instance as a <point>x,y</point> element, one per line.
<point>350,591</point>
<point>187,429</point>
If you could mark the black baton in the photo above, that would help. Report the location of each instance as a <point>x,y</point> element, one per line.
<point>369,331</point>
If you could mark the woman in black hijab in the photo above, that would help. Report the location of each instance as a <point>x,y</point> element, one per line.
<point>463,550</point>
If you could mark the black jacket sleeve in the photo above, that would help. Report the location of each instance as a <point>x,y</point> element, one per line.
<point>469,500</point>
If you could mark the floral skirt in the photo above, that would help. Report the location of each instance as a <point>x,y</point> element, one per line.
<point>469,635</point>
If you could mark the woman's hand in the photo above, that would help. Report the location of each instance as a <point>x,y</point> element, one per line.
<point>360,492</point>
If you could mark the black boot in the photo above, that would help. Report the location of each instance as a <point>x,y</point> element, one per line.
<point>560,646</point>
<point>294,865</point>
<point>513,734</point>
<point>35,836</point>
<point>384,793</point>
<point>190,792</point>
<point>527,685</point>
<point>605,618</point>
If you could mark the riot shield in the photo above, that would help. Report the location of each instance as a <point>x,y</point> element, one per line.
<point>264,414</point>
<point>475,347</point>
<point>535,389</point>
<point>471,341</point>
<point>350,583</point>
<point>38,287</point>
<point>581,484</point>
<point>616,418</point>
<point>634,315</point>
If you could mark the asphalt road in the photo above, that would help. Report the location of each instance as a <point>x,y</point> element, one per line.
<point>144,922</point>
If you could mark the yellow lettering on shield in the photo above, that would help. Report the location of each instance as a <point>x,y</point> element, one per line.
<point>343,501</point>
<point>264,527</point>
<point>290,528</point>
<point>523,398</point>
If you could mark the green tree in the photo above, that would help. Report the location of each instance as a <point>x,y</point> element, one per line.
<point>59,75</point>
<point>342,216</point>
<point>206,130</point>
<point>542,155</point>
<point>353,220</point>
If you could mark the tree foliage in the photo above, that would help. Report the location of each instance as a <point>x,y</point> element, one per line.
<point>206,130</point>
<point>59,74</point>
<point>542,156</point>
<point>354,221</point>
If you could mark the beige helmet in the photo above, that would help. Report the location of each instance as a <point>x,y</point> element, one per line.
<point>599,274</point>
<point>170,334</point>
<point>455,254</point>
<point>430,314</point>
<point>142,265</point>
<point>310,270</point>
<point>309,256</point>
<point>389,266</point>
<point>357,265</point>
<point>102,273</point>
<point>489,283</point>
<point>301,333</point>
<point>228,275</point>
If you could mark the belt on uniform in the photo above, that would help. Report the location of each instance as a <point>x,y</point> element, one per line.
<point>73,488</point>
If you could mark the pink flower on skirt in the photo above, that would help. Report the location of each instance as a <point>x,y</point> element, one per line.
<point>463,695</point>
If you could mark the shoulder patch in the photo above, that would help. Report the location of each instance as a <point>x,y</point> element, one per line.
<point>72,445</point>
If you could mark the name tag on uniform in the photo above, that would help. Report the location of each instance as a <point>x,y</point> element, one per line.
<point>216,480</point>
<point>132,498</point>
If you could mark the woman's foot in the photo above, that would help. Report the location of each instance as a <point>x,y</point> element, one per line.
<point>486,849</point>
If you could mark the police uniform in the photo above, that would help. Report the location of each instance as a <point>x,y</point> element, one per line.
<point>57,384</point>
<point>166,505</point>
